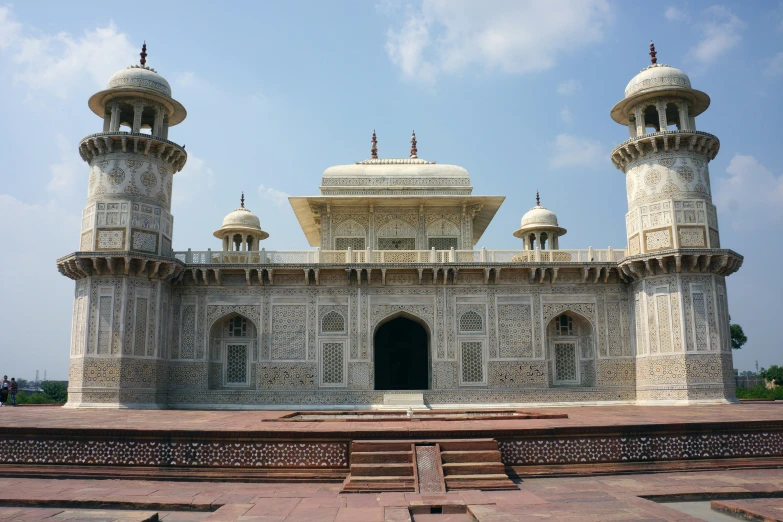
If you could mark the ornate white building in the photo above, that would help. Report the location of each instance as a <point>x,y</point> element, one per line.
<point>393,297</point>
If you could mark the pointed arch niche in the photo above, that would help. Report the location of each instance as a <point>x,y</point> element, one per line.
<point>401,353</point>
<point>570,349</point>
<point>233,348</point>
<point>350,234</point>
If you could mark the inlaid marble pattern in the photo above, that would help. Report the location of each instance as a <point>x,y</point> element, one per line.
<point>208,454</point>
<point>640,448</point>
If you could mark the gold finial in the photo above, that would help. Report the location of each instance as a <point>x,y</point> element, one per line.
<point>374,149</point>
<point>143,54</point>
<point>538,199</point>
<point>653,59</point>
<point>242,200</point>
<point>414,151</point>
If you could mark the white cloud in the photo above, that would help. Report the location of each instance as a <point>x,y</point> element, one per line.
<point>9,28</point>
<point>569,87</point>
<point>565,114</point>
<point>774,67</point>
<point>449,36</point>
<point>406,49</point>
<point>277,197</point>
<point>674,15</point>
<point>59,62</point>
<point>720,33</point>
<point>195,180</point>
<point>573,151</point>
<point>751,195</point>
<point>185,78</point>
<point>68,174</point>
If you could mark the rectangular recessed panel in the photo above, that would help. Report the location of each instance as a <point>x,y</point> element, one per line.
<point>236,364</point>
<point>428,466</point>
<point>565,362</point>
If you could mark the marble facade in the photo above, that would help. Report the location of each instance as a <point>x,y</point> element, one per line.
<point>247,327</point>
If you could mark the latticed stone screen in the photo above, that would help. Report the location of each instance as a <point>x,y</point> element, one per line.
<point>700,319</point>
<point>472,362</point>
<point>333,322</point>
<point>565,362</point>
<point>471,322</point>
<point>442,243</point>
<point>344,243</point>
<point>396,243</point>
<point>236,364</point>
<point>333,367</point>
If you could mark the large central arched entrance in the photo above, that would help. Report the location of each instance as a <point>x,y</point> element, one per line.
<point>401,356</point>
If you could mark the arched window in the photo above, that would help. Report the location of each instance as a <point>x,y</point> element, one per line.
<point>250,242</point>
<point>672,117</point>
<point>544,240</point>
<point>564,325</point>
<point>237,242</point>
<point>651,119</point>
<point>237,327</point>
<point>470,321</point>
<point>333,322</point>
<point>532,240</point>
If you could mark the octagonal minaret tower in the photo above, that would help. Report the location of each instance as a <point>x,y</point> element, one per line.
<point>124,266</point>
<point>132,164</point>
<point>666,162</point>
<point>674,259</point>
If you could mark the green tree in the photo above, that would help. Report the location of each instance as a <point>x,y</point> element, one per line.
<point>773,373</point>
<point>56,391</point>
<point>738,337</point>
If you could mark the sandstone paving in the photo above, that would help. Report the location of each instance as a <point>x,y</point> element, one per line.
<point>599,498</point>
<point>245,422</point>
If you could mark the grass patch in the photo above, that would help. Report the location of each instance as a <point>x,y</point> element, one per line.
<point>760,392</point>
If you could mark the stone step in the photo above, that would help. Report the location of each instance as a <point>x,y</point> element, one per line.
<point>468,445</point>
<point>382,470</point>
<point>471,468</point>
<point>373,446</point>
<point>470,456</point>
<point>385,457</point>
<point>378,484</point>
<point>491,482</point>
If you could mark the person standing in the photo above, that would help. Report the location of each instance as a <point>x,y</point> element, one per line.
<point>4,388</point>
<point>14,389</point>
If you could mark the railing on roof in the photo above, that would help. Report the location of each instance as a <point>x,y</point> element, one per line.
<point>304,257</point>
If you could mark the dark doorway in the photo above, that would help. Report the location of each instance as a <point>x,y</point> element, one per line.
<point>401,356</point>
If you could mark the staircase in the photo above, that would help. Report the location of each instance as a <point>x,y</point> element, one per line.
<point>473,464</point>
<point>381,465</point>
<point>426,466</point>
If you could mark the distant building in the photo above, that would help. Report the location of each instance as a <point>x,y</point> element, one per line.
<point>394,297</point>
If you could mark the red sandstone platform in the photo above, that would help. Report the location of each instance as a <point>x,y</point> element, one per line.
<point>268,446</point>
<point>581,419</point>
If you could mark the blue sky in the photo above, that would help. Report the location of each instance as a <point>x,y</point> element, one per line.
<point>516,92</point>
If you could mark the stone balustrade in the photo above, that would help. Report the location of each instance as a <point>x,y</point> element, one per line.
<point>318,256</point>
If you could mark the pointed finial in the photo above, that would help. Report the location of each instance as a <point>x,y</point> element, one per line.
<point>538,199</point>
<point>414,151</point>
<point>653,59</point>
<point>374,149</point>
<point>143,53</point>
<point>242,200</point>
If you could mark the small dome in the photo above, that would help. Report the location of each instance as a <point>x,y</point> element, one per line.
<point>241,217</point>
<point>656,77</point>
<point>539,215</point>
<point>241,220</point>
<point>140,77</point>
<point>539,218</point>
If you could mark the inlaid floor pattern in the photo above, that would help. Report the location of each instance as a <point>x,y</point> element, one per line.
<point>426,466</point>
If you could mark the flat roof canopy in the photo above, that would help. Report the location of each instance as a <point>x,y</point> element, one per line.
<point>308,219</point>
